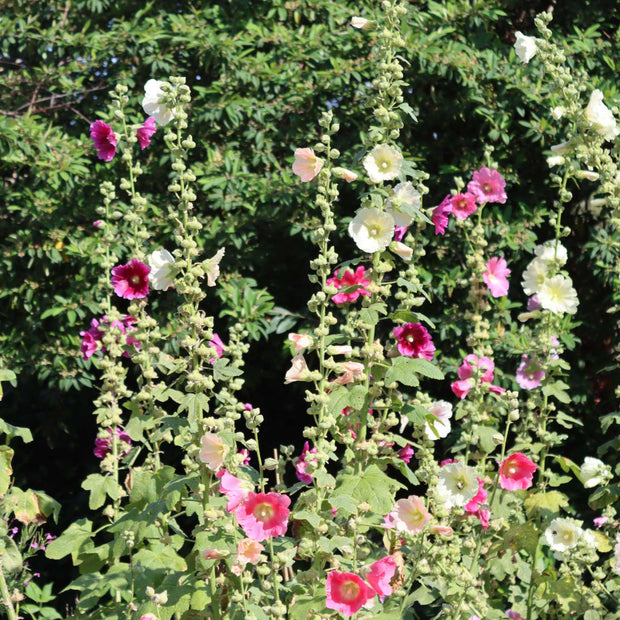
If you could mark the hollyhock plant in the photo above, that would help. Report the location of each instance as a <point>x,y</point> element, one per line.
<point>350,278</point>
<point>529,373</point>
<point>213,451</point>
<point>162,271</point>
<point>516,472</point>
<point>496,277</point>
<point>347,593</point>
<point>145,132</point>
<point>463,205</point>
<point>414,341</point>
<point>306,165</point>
<point>104,139</point>
<point>440,215</point>
<point>383,163</point>
<point>131,281</point>
<point>487,186</point>
<point>103,445</point>
<point>380,574</point>
<point>371,229</point>
<point>302,463</point>
<point>409,515</point>
<point>264,515</point>
<point>153,103</point>
<point>234,488</point>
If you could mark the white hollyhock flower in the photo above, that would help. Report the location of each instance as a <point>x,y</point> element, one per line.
<point>594,472</point>
<point>600,117</point>
<point>372,230</point>
<point>212,267</point>
<point>555,160</point>
<point>558,295</point>
<point>525,47</point>
<point>360,23</point>
<point>402,250</point>
<point>552,250</point>
<point>383,163</point>
<point>152,103</point>
<point>457,484</point>
<point>557,112</point>
<point>405,201</point>
<point>439,428</point>
<point>162,271</point>
<point>534,276</point>
<point>563,534</point>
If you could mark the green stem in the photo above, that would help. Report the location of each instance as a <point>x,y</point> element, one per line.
<point>6,598</point>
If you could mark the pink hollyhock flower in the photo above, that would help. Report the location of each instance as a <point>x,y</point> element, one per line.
<point>89,344</point>
<point>298,370</point>
<point>440,215</point>
<point>410,515</point>
<point>414,341</point>
<point>302,463</point>
<point>97,223</point>
<point>248,551</point>
<point>406,453</point>
<point>400,232</point>
<point>245,453</point>
<point>213,451</point>
<point>306,165</point>
<point>349,278</point>
<point>487,186</point>
<point>131,281</point>
<point>264,515</point>
<point>218,345</point>
<point>103,445</point>
<point>442,530</point>
<point>533,303</point>
<point>463,205</point>
<point>146,131</point>
<point>92,339</point>
<point>600,521</point>
<point>513,615</point>
<point>473,367</point>
<point>496,276</point>
<point>474,506</point>
<point>104,139</point>
<point>352,371</point>
<point>529,374</point>
<point>300,341</point>
<point>234,488</point>
<point>380,574</point>
<point>516,472</point>
<point>347,593</point>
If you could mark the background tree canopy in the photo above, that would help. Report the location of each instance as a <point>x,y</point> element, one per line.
<point>261,73</point>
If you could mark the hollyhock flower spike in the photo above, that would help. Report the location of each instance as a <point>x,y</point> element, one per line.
<point>380,574</point>
<point>104,139</point>
<point>153,104</point>
<point>145,132</point>
<point>264,515</point>
<point>347,593</point>
<point>350,278</point>
<point>371,229</point>
<point>487,186</point>
<point>383,163</point>
<point>463,205</point>
<point>414,341</point>
<point>306,165</point>
<point>131,281</point>
<point>516,472</point>
<point>440,215</point>
<point>496,277</point>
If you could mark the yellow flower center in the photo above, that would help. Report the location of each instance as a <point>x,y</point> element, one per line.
<point>263,512</point>
<point>349,591</point>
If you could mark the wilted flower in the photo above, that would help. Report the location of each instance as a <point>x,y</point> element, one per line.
<point>600,117</point>
<point>496,276</point>
<point>213,451</point>
<point>563,534</point>
<point>383,163</point>
<point>153,104</point>
<point>594,472</point>
<point>306,165</point>
<point>162,271</point>
<point>298,370</point>
<point>457,484</point>
<point>347,593</point>
<point>104,139</point>
<point>352,371</point>
<point>414,341</point>
<point>516,472</point>
<point>349,278</point>
<point>525,47</point>
<point>402,250</point>
<point>487,186</point>
<point>264,515</point>
<point>131,281</point>
<point>145,132</point>
<point>558,295</point>
<point>371,229</point>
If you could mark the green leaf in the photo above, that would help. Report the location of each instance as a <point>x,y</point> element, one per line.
<point>6,469</point>
<point>546,504</point>
<point>370,486</point>
<point>558,391</point>
<point>96,484</point>
<point>15,431</point>
<point>404,370</point>
<point>10,557</point>
<point>70,540</point>
<point>306,607</point>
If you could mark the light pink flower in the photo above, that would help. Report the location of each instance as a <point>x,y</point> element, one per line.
<point>487,186</point>
<point>440,215</point>
<point>380,575</point>
<point>234,488</point>
<point>414,341</point>
<point>103,445</point>
<point>104,139</point>
<point>300,341</point>
<point>463,205</point>
<point>516,472</point>
<point>352,371</point>
<point>218,345</point>
<point>442,530</point>
<point>212,554</point>
<point>306,165</point>
<point>213,451</point>
<point>302,463</point>
<point>529,374</point>
<point>97,223</point>
<point>264,515</point>
<point>410,515</point>
<point>349,278</point>
<point>496,276</point>
<point>146,131</point>
<point>600,521</point>
<point>347,593</point>
<point>131,281</point>
<point>248,551</point>
<point>298,370</point>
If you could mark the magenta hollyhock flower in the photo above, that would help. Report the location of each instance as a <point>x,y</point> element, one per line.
<point>346,593</point>
<point>516,472</point>
<point>487,186</point>
<point>440,215</point>
<point>245,453</point>
<point>400,232</point>
<point>349,278</point>
<point>496,277</point>
<point>234,488</point>
<point>264,515</point>
<point>302,463</point>
<point>463,205</point>
<point>414,341</point>
<point>92,339</point>
<point>89,343</point>
<point>131,281</point>
<point>104,139</point>
<point>405,453</point>
<point>146,131</point>
<point>103,445</point>
<point>513,615</point>
<point>529,374</point>
<point>474,506</point>
<point>471,367</point>
<point>218,345</point>
<point>380,575</point>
